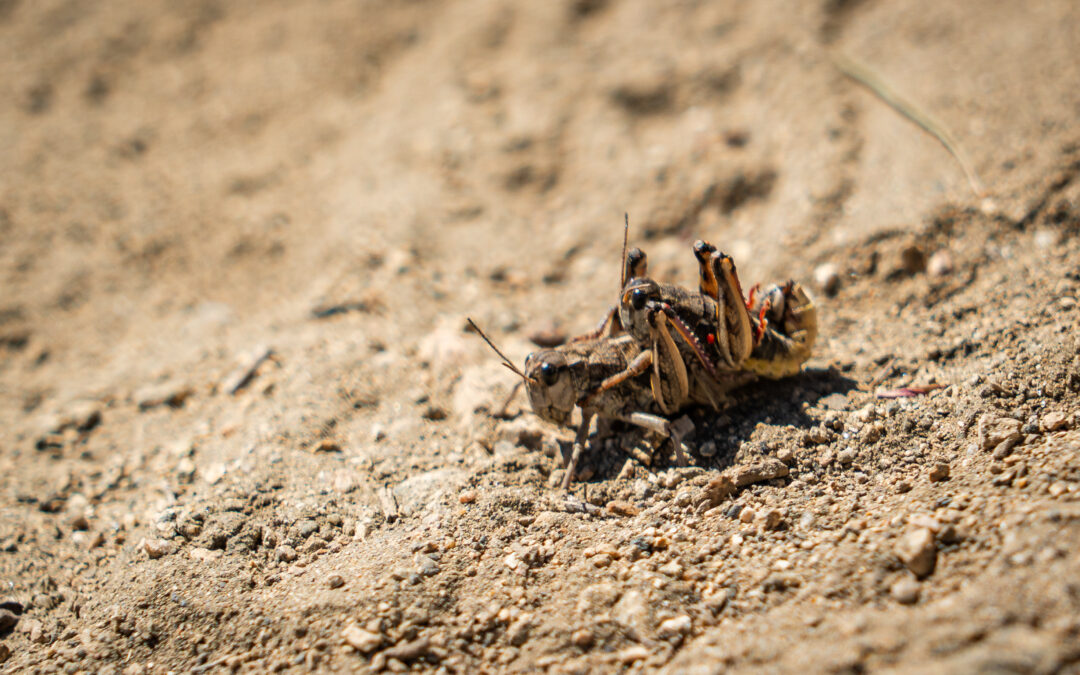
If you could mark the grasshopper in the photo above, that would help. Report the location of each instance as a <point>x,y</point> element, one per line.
<point>703,337</point>
<point>605,376</point>
<point>713,341</point>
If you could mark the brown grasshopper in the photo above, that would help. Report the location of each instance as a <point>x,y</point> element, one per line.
<point>713,340</point>
<point>604,376</point>
<point>702,337</point>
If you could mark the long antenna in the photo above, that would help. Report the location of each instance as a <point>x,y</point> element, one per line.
<point>625,238</point>
<point>506,362</point>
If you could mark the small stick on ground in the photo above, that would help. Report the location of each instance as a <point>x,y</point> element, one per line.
<point>868,79</point>
<point>885,371</point>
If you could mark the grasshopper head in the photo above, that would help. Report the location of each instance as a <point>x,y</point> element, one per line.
<point>550,386</point>
<point>637,295</point>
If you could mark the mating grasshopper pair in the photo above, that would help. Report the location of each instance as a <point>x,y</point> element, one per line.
<point>664,348</point>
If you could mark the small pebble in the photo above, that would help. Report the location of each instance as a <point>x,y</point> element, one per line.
<point>361,640</point>
<point>918,551</point>
<point>940,264</point>
<point>582,638</point>
<point>621,508</point>
<point>467,497</point>
<point>1053,421</point>
<point>747,515</point>
<point>8,619</point>
<point>155,548</point>
<point>827,278</point>
<point>675,627</point>
<point>285,553</point>
<point>905,591</point>
<point>938,473</point>
<point>335,581</point>
<point>770,520</point>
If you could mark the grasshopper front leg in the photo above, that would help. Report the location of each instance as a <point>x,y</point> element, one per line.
<point>636,367</point>
<point>579,447</point>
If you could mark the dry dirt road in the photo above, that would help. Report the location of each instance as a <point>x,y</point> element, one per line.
<point>243,428</point>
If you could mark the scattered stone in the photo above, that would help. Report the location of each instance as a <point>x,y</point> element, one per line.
<point>467,497</point>
<point>846,457</point>
<point>361,640</point>
<point>818,435</point>
<point>938,472</point>
<point>518,632</point>
<point>918,551</point>
<point>1005,448</point>
<point>872,433</point>
<point>913,260</point>
<point>620,508</point>
<point>426,566</point>
<point>409,651</point>
<point>940,264</point>
<point>995,431</point>
<point>156,548</point>
<point>335,581</point>
<point>769,469</point>
<point>1054,421</point>
<point>747,515</point>
<point>902,487</point>
<point>770,520</point>
<point>582,638</point>
<point>786,456</point>
<point>905,591</point>
<point>5,652</point>
<point>827,278</point>
<point>717,490</point>
<point>675,627</point>
<point>285,553</point>
<point>8,620</point>
<point>708,449</point>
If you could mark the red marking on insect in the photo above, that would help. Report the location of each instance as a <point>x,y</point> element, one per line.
<point>710,338</point>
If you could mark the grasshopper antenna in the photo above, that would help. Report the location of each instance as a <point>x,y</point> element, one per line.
<point>625,239</point>
<point>506,362</point>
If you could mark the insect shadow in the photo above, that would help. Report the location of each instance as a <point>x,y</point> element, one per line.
<point>777,403</point>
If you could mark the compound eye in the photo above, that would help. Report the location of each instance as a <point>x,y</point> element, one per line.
<point>637,299</point>
<point>549,374</point>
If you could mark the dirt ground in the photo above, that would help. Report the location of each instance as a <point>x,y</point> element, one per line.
<point>243,427</point>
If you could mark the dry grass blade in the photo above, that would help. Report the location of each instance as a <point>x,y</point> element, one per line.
<point>871,81</point>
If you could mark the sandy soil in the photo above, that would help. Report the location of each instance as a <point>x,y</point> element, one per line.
<point>243,427</point>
